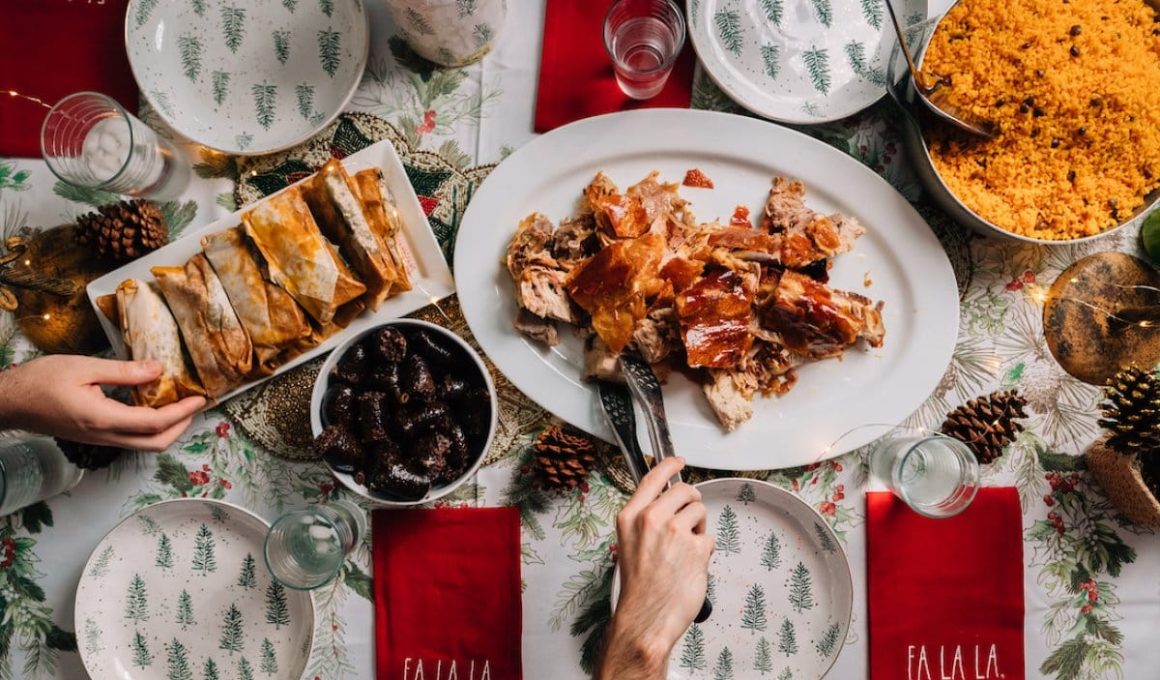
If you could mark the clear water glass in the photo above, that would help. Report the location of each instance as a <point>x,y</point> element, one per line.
<point>936,475</point>
<point>91,141</point>
<point>32,470</point>
<point>643,38</point>
<point>306,548</point>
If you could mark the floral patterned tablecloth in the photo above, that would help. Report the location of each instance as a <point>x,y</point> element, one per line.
<point>1093,603</point>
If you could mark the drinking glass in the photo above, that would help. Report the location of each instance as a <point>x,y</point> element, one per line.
<point>935,475</point>
<point>33,470</point>
<point>91,141</point>
<point>306,548</point>
<point>643,38</point>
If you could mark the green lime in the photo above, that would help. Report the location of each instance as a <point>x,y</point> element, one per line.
<point>1150,234</point>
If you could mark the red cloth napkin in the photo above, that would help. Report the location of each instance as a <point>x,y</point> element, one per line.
<point>447,594</point>
<point>946,595</point>
<point>53,48</point>
<point>576,78</point>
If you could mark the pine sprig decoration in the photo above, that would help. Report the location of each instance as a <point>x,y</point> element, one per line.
<point>123,231</point>
<point>817,61</point>
<point>88,456</point>
<point>729,30</point>
<point>562,458</point>
<point>988,424</point>
<point>1130,411</point>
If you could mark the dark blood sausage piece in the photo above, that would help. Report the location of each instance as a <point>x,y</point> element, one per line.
<point>391,345</point>
<point>338,446</point>
<point>353,365</point>
<point>338,406</point>
<point>417,378</point>
<point>372,418</point>
<point>413,421</point>
<point>385,376</point>
<point>457,455</point>
<point>431,451</point>
<point>451,387</point>
<point>474,412</point>
<point>433,350</point>
<point>395,482</point>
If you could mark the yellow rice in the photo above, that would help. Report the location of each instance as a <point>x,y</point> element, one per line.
<point>1075,89</point>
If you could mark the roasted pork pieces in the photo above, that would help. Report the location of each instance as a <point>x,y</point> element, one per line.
<point>739,306</point>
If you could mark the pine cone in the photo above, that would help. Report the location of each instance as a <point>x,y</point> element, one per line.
<point>1130,409</point>
<point>88,456</point>
<point>988,424</point>
<point>123,231</point>
<point>563,458</point>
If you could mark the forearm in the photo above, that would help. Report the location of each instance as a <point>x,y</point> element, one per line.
<point>632,654</point>
<point>9,400</point>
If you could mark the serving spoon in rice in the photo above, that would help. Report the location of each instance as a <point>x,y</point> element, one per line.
<point>930,89</point>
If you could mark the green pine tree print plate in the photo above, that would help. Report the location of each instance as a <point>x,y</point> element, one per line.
<point>799,61</point>
<point>780,584</point>
<point>179,590</point>
<point>247,77</point>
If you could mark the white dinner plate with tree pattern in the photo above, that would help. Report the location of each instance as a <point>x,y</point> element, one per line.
<point>180,590</point>
<point>799,61</point>
<point>780,584</point>
<point>247,77</point>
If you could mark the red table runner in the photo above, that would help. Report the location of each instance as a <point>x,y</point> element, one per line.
<point>576,78</point>
<point>53,48</point>
<point>447,594</point>
<point>946,595</point>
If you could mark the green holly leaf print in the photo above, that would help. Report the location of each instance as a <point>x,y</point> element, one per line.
<point>282,46</point>
<point>144,9</point>
<point>233,26</point>
<point>465,7</point>
<point>328,51</point>
<point>826,645</point>
<point>482,34</point>
<point>290,5</point>
<point>770,56</point>
<point>729,30</point>
<point>872,10</point>
<point>724,668</point>
<point>824,11</point>
<point>221,86</point>
<point>773,10</point>
<point>36,516</point>
<point>264,101</point>
<point>327,7</point>
<point>199,7</point>
<point>818,65</point>
<point>856,54</point>
<point>189,47</point>
<point>418,22</point>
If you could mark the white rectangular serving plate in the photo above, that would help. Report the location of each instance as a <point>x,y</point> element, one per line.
<point>431,281</point>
